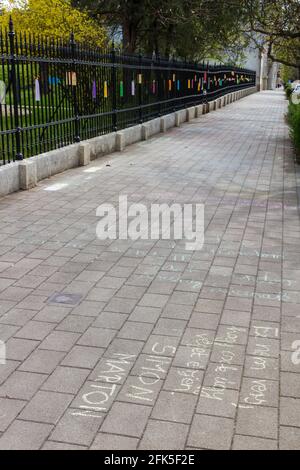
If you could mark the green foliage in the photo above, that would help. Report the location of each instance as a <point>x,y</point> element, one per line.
<point>294,123</point>
<point>191,29</point>
<point>288,73</point>
<point>288,91</point>
<point>278,23</point>
<point>54,18</point>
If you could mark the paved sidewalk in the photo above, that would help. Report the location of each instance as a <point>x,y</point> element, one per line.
<point>158,347</point>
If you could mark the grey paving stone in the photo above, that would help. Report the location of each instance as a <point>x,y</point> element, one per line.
<point>19,349</point>
<point>110,320</point>
<point>184,380</point>
<point>218,402</point>
<point>7,369</point>
<point>259,392</point>
<point>24,435</point>
<point>18,317</point>
<point>22,385</point>
<point>209,306</point>
<point>15,293</point>
<point>75,323</point>
<point>76,427</point>
<point>141,389</point>
<point>59,341</point>
<point>9,411</point>
<point>104,441</point>
<point>153,300</point>
<point>163,435</point>
<point>177,407</point>
<point>96,397</point>
<point>66,380</point>
<point>258,421</point>
<point>262,367</point>
<point>135,330</point>
<point>119,305</point>
<point>51,445</point>
<point>204,321</point>
<point>289,438</point>
<point>161,345</point>
<point>183,298</point>
<point>126,419</point>
<point>253,443</point>
<point>97,337</point>
<point>290,411</point>
<point>191,357</point>
<point>46,407</point>
<point>151,366</point>
<point>89,309</point>
<point>124,346</point>
<point>85,357</point>
<point>145,314</point>
<point>52,314</point>
<point>223,375</point>
<point>236,318</point>
<point>240,304</point>
<point>205,432</point>
<point>232,335</point>
<point>42,361</point>
<point>131,292</point>
<point>232,354</point>
<point>287,363</point>
<point>100,294</point>
<point>35,330</point>
<point>180,312</point>
<point>7,331</point>
<point>290,385</point>
<point>263,347</point>
<point>170,327</point>
<point>33,302</point>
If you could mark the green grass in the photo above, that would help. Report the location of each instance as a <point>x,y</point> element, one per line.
<point>294,123</point>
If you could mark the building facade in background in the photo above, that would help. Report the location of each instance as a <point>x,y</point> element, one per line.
<point>268,72</point>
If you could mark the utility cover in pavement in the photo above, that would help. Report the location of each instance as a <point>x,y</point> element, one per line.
<point>66,299</point>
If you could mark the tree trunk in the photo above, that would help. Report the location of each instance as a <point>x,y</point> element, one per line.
<point>129,36</point>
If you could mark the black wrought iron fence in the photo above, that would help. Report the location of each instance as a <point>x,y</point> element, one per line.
<point>55,92</point>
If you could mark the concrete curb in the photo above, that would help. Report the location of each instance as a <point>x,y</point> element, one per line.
<point>26,174</point>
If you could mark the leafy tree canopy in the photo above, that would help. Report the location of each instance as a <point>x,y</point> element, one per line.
<point>54,18</point>
<point>277,22</point>
<point>194,29</point>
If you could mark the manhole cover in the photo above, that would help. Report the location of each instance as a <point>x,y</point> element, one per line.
<point>65,299</point>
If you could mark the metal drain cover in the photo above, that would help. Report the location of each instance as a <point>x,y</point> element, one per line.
<point>65,299</point>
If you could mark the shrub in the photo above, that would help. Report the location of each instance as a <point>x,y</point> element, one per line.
<point>288,90</point>
<point>294,123</point>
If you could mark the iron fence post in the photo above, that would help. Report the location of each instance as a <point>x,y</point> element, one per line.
<point>140,89</point>
<point>15,92</point>
<point>74,89</point>
<point>114,88</point>
<point>159,83</point>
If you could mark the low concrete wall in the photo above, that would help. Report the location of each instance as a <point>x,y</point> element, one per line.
<point>200,110</point>
<point>102,145</point>
<point>212,106</point>
<point>190,114</point>
<point>180,117</point>
<point>26,174</point>
<point>151,128</point>
<point>56,161</point>
<point>9,179</point>
<point>131,135</point>
<point>167,122</point>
